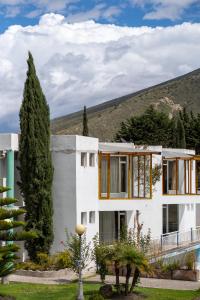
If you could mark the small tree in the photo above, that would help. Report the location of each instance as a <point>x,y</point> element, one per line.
<point>73,246</point>
<point>85,122</point>
<point>8,235</point>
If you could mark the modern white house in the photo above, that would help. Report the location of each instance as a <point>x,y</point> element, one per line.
<point>102,185</point>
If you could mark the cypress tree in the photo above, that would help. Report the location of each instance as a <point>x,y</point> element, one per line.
<point>180,133</point>
<point>85,122</point>
<point>8,234</point>
<point>36,169</point>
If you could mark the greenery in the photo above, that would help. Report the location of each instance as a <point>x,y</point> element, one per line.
<point>156,128</point>
<point>127,253</point>
<point>25,291</point>
<point>179,137</point>
<point>151,128</point>
<point>72,245</point>
<point>9,234</point>
<point>85,122</point>
<point>36,170</point>
<point>45,262</point>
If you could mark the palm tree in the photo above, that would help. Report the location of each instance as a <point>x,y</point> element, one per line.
<point>135,261</point>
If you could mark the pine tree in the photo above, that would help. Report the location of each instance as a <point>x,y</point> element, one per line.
<point>36,170</point>
<point>151,128</point>
<point>180,133</point>
<point>85,122</point>
<point>8,234</point>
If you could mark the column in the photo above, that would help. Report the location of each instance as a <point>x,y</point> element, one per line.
<point>10,173</point>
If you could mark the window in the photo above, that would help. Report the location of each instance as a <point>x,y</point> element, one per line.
<point>84,218</point>
<point>198,176</point>
<point>141,166</point>
<point>83,159</point>
<point>92,217</point>
<point>118,177</point>
<point>177,177</point>
<point>91,159</point>
<point>104,176</point>
<point>125,176</point>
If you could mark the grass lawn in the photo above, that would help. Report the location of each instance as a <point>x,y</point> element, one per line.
<point>27,291</point>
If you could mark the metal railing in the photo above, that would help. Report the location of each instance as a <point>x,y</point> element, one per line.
<point>166,242</point>
<point>178,239</point>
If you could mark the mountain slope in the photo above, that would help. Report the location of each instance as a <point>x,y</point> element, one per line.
<point>104,119</point>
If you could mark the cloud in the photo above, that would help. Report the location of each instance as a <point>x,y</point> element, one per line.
<point>164,9</point>
<point>100,11</point>
<point>87,63</point>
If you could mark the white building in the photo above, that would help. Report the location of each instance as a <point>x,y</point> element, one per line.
<point>102,185</point>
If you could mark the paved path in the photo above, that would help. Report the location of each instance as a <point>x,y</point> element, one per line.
<point>156,283</point>
<point>145,282</point>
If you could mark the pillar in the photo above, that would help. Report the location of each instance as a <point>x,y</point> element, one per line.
<point>10,178</point>
<point>10,173</point>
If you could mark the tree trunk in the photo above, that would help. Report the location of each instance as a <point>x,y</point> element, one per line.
<point>4,280</point>
<point>128,275</point>
<point>117,277</point>
<point>135,279</point>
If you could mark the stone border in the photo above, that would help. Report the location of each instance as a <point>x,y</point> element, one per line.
<point>45,274</point>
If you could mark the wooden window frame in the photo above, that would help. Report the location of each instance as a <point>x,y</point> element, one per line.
<point>129,178</point>
<point>190,161</point>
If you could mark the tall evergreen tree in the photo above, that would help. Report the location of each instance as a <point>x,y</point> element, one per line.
<point>85,122</point>
<point>36,169</point>
<point>8,234</point>
<point>180,133</point>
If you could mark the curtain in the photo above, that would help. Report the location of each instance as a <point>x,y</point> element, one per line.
<point>114,174</point>
<point>104,168</point>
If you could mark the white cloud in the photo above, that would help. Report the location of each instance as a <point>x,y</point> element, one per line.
<point>87,63</point>
<point>165,9</point>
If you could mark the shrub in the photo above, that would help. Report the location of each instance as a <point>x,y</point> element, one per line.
<point>63,260</point>
<point>171,266</point>
<point>190,259</point>
<point>47,262</point>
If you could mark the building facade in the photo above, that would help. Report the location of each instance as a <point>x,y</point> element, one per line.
<point>104,185</point>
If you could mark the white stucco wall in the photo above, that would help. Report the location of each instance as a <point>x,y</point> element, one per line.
<point>87,184</point>
<point>64,188</point>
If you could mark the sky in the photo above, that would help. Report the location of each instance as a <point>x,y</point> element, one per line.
<point>87,52</point>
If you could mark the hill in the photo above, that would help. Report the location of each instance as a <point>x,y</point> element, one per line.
<point>104,119</point>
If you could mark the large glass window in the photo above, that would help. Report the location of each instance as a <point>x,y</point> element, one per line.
<point>125,176</point>
<point>141,176</point>
<point>104,177</point>
<point>118,176</point>
<point>198,176</point>
<point>179,176</point>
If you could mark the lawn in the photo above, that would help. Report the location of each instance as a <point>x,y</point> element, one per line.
<point>68,291</point>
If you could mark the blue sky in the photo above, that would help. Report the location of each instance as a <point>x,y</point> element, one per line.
<point>124,13</point>
<point>88,52</point>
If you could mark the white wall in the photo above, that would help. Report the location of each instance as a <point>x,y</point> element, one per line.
<point>187,217</point>
<point>64,188</point>
<point>87,183</point>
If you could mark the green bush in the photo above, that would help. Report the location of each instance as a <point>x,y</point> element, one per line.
<point>47,262</point>
<point>63,260</point>
<point>171,266</point>
<point>190,259</point>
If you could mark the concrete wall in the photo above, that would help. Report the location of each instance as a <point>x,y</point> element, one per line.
<point>64,188</point>
<point>87,184</point>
